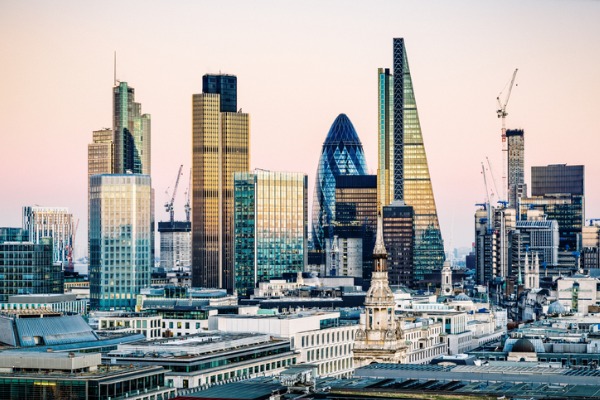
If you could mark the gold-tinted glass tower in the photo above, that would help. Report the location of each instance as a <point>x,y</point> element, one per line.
<point>403,172</point>
<point>220,147</point>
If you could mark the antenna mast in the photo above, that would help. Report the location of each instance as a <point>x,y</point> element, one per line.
<point>115,69</point>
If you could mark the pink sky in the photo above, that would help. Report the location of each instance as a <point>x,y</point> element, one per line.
<point>299,64</point>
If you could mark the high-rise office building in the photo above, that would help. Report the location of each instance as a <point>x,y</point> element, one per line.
<point>403,172</point>
<point>342,154</point>
<point>558,192</point>
<point>220,147</point>
<point>132,133</point>
<point>27,267</point>
<point>120,239</point>
<point>534,237</point>
<point>225,86</point>
<point>356,204</point>
<point>398,233</point>
<point>100,152</point>
<point>516,166</point>
<point>53,222</point>
<point>271,226</point>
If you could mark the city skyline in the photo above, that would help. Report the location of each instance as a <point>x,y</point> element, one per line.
<point>305,64</point>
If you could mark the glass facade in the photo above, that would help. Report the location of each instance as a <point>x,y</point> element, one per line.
<point>221,147</point>
<point>132,134</point>
<point>398,235</point>
<point>342,154</point>
<point>271,226</point>
<point>54,222</point>
<point>100,153</point>
<point>27,268</point>
<point>120,239</point>
<point>225,86</point>
<point>557,179</point>
<point>356,204</point>
<point>405,172</point>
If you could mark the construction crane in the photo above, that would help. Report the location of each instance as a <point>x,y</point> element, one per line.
<point>169,204</point>
<point>501,112</point>
<point>187,196</point>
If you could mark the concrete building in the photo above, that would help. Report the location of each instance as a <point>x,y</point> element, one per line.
<point>77,376</point>
<point>517,188</point>
<point>208,358</point>
<point>317,336</point>
<point>61,303</point>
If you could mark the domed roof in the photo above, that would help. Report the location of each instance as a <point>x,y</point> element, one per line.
<point>523,346</point>
<point>342,132</point>
<point>556,308</point>
<point>462,297</point>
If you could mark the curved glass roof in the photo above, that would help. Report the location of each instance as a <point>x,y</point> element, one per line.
<point>342,154</point>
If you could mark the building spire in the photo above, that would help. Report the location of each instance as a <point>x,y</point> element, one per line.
<point>379,249</point>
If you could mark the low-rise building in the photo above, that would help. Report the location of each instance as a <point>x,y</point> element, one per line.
<point>210,357</point>
<point>317,336</point>
<point>77,376</point>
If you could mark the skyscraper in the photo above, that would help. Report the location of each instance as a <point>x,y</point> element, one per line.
<point>342,154</point>
<point>132,133</point>
<point>516,166</point>
<point>271,226</point>
<point>100,152</point>
<point>558,191</point>
<point>403,172</point>
<point>356,204</point>
<point>52,222</point>
<point>120,239</point>
<point>220,147</point>
<point>398,233</point>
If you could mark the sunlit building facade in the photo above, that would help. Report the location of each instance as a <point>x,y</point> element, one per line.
<point>100,152</point>
<point>52,222</point>
<point>220,147</point>
<point>403,172</point>
<point>120,239</point>
<point>342,154</point>
<point>271,226</point>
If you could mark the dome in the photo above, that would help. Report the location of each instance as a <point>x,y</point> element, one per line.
<point>462,297</point>
<point>523,346</point>
<point>556,308</point>
<point>342,154</point>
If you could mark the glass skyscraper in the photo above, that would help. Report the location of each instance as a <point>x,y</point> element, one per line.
<point>220,147</point>
<point>403,172</point>
<point>271,226</point>
<point>342,154</point>
<point>120,239</point>
<point>132,134</point>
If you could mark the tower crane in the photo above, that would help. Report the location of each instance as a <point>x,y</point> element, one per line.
<point>501,112</point>
<point>187,196</point>
<point>169,204</point>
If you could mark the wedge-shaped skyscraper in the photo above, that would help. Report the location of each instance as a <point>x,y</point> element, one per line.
<point>403,173</point>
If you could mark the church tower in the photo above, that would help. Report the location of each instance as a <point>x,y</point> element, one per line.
<point>446,279</point>
<point>380,338</point>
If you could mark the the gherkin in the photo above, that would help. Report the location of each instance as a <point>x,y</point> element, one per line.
<point>342,154</point>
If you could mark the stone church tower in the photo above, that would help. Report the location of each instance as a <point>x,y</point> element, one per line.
<point>446,289</point>
<point>380,338</point>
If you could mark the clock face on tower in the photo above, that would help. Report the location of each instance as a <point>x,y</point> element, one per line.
<point>447,290</point>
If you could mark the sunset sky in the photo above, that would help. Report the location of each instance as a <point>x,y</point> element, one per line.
<point>299,64</point>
